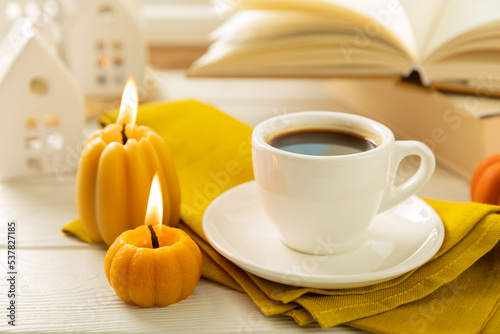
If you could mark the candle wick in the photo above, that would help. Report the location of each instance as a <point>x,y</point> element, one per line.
<point>154,238</point>
<point>124,136</point>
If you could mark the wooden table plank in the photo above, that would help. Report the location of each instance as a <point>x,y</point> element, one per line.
<point>41,206</point>
<point>66,290</point>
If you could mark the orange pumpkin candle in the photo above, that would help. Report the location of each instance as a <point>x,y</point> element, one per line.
<point>115,171</point>
<point>153,265</point>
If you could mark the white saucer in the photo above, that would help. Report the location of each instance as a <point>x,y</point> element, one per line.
<point>398,240</point>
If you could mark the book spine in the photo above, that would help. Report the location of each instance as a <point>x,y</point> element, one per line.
<point>420,71</point>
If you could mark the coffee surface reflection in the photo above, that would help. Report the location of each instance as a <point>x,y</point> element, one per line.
<point>321,142</point>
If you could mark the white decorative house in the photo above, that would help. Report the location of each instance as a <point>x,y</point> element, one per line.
<point>104,44</point>
<point>41,107</point>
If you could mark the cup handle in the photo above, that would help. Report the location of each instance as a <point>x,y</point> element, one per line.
<point>396,194</point>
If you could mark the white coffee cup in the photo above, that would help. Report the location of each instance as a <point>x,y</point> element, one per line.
<point>324,204</point>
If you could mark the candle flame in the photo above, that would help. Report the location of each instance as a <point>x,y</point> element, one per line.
<point>154,213</point>
<point>129,104</point>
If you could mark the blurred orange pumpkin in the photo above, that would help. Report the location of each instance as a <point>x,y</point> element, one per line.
<point>147,276</point>
<point>485,183</point>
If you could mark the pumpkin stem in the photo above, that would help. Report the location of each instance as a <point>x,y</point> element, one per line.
<point>124,136</point>
<point>154,238</point>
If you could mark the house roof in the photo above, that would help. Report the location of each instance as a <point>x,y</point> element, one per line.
<point>16,39</point>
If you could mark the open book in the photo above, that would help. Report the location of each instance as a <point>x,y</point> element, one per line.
<point>451,43</point>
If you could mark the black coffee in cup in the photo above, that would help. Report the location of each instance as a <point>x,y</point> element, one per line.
<point>321,142</point>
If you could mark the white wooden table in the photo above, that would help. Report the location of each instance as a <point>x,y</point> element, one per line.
<point>61,286</point>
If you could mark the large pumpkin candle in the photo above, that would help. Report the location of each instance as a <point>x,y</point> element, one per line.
<point>153,265</point>
<point>115,172</point>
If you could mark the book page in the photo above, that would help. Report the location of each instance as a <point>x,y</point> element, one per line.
<point>480,107</point>
<point>299,40</point>
<point>388,14</point>
<point>391,15</point>
<point>424,16</point>
<point>461,16</point>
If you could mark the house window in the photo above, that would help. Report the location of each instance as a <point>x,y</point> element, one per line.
<point>38,86</point>
<point>106,13</point>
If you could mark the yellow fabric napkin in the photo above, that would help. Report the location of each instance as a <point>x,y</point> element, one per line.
<point>458,290</point>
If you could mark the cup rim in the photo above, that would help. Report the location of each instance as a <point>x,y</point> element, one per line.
<point>264,130</point>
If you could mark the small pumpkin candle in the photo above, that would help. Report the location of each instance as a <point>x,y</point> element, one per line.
<point>153,265</point>
<point>115,170</point>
